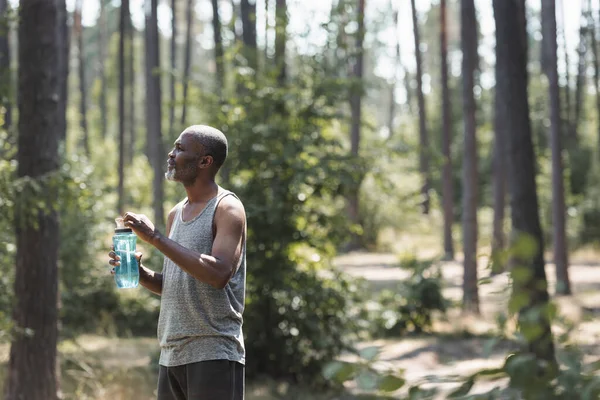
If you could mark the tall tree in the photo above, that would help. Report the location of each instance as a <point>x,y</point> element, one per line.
<point>594,46</point>
<point>102,45</point>
<point>78,28</point>
<point>188,59</point>
<point>550,46</point>
<point>447,192</point>
<point>5,64</point>
<point>173,63</point>
<point>281,24</point>
<point>356,106</point>
<point>499,174</point>
<point>581,74</point>
<point>248,10</point>
<point>42,31</point>
<point>63,58</point>
<point>395,79</point>
<point>530,293</point>
<point>423,135</point>
<point>468,33</point>
<point>563,31</point>
<point>123,13</point>
<point>153,110</point>
<point>216,22</point>
<point>130,73</point>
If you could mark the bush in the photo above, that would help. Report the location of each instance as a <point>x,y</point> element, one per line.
<point>410,308</point>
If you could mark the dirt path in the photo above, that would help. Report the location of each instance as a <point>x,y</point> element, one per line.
<point>453,352</point>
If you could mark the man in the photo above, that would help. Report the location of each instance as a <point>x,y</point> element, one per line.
<point>202,285</point>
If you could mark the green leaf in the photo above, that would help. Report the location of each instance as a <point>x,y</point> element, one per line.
<point>591,390</point>
<point>339,371</point>
<point>391,383</point>
<point>463,390</point>
<point>369,353</point>
<point>367,380</point>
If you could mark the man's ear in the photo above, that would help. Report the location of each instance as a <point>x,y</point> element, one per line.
<point>206,162</point>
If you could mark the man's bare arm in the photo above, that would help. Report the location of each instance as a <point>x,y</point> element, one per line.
<point>152,280</point>
<point>216,268</point>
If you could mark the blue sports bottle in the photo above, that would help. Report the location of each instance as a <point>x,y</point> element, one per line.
<point>127,274</point>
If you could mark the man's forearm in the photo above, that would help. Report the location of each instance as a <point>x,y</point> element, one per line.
<point>203,267</point>
<point>151,280</point>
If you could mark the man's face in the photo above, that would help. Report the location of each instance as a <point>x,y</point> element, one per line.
<point>183,162</point>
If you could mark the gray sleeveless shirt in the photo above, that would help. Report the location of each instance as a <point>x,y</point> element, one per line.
<point>198,322</point>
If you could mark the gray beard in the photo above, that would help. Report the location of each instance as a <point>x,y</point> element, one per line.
<point>170,174</point>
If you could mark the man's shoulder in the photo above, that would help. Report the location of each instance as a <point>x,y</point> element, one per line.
<point>231,206</point>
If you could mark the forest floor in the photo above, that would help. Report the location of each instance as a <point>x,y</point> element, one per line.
<point>123,369</point>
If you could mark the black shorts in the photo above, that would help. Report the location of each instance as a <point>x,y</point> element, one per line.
<point>205,380</point>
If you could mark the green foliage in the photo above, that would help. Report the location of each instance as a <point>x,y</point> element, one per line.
<point>291,171</point>
<point>411,306</point>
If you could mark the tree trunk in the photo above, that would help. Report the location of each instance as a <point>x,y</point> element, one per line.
<point>530,294</point>
<point>188,60</point>
<point>355,111</point>
<point>563,285</point>
<point>447,195</point>
<point>78,28</point>
<point>423,135</point>
<point>5,88</point>
<point>216,22</point>
<point>469,64</point>
<point>102,44</point>
<point>131,125</point>
<point>395,79</point>
<point>594,45</point>
<point>580,80</point>
<point>122,146</point>
<point>64,57</point>
<point>499,173</point>
<point>32,372</point>
<point>566,121</point>
<point>267,28</point>
<point>281,24</point>
<point>248,11</point>
<point>153,109</point>
<point>173,64</point>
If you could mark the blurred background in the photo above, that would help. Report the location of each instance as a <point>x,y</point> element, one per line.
<point>421,181</point>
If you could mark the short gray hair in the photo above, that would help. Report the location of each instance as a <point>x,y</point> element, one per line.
<point>213,141</point>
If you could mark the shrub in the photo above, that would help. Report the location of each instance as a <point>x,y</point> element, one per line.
<point>411,306</point>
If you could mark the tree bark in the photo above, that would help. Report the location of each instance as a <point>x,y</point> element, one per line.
<point>530,294</point>
<point>153,110</point>
<point>131,120</point>
<point>216,22</point>
<point>423,135</point>
<point>594,45</point>
<point>78,28</point>
<point>5,73</point>
<point>447,192</point>
<point>395,79</point>
<point>281,24</point>
<point>64,57</point>
<point>580,80</point>
<point>173,64</point>
<point>563,285</point>
<point>469,64</point>
<point>188,60</point>
<point>122,146</point>
<point>32,372</point>
<point>566,120</point>
<point>499,172</point>
<point>248,11</point>
<point>102,45</point>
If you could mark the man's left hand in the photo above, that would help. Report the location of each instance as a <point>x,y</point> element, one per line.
<point>141,226</point>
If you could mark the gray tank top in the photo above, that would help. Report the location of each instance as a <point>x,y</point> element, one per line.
<point>198,322</point>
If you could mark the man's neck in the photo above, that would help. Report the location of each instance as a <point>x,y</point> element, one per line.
<point>202,190</point>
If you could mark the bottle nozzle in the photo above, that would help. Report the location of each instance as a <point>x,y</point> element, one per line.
<point>120,223</point>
